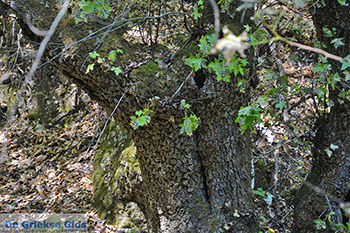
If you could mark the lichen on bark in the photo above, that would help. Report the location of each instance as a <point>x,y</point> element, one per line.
<point>116,177</point>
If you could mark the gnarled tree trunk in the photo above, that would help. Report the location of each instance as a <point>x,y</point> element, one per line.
<point>196,184</point>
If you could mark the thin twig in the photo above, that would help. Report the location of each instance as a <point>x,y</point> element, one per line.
<point>216,20</point>
<point>106,123</point>
<point>177,91</point>
<point>301,46</point>
<point>275,182</point>
<point>104,35</point>
<point>283,144</point>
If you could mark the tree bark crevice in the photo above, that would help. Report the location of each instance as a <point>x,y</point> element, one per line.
<point>203,170</point>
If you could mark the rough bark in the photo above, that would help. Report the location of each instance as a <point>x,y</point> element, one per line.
<point>330,174</point>
<point>196,183</point>
<point>190,184</point>
<point>46,98</point>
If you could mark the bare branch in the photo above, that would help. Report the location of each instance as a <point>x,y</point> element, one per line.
<point>301,46</point>
<point>216,20</point>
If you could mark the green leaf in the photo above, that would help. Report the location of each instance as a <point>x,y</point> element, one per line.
<point>106,10</point>
<point>248,115</point>
<point>337,42</point>
<point>226,78</point>
<point>299,3</point>
<point>243,61</point>
<point>345,64</point>
<point>343,2</point>
<point>220,70</point>
<point>280,105</point>
<point>90,68</point>
<point>256,110</point>
<point>335,77</point>
<point>195,62</point>
<point>247,27</point>
<point>142,120</point>
<point>259,192</point>
<point>334,147</point>
<point>77,20</point>
<point>329,152</point>
<point>185,105</point>
<point>347,76</point>
<point>112,55</point>
<point>189,124</point>
<point>211,38</point>
<point>116,70</point>
<point>327,31</point>
<point>237,65</point>
<point>196,14</point>
<point>139,113</point>
<point>94,54</point>
<point>88,7</point>
<point>82,16</point>
<point>318,69</point>
<point>203,45</point>
<point>194,122</point>
<point>320,224</point>
<point>245,111</point>
<point>143,117</point>
<point>262,100</point>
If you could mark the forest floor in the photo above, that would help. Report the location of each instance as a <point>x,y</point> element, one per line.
<point>48,169</point>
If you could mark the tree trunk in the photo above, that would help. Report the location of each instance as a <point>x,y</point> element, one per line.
<point>190,184</point>
<point>196,184</point>
<point>330,175</point>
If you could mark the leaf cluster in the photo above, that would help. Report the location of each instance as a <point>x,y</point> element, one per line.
<point>191,122</point>
<point>86,9</point>
<point>141,118</point>
<point>112,56</point>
